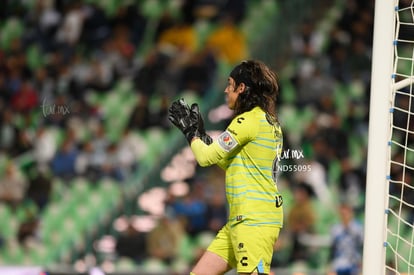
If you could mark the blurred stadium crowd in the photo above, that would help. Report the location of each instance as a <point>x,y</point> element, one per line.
<point>84,91</point>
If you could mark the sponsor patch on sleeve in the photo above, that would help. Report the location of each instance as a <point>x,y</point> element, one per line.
<point>226,141</point>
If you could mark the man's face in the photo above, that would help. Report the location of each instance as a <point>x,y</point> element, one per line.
<point>232,92</point>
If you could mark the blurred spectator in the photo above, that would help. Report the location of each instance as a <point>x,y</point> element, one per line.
<point>53,63</point>
<point>27,232</point>
<point>125,51</point>
<point>14,76</point>
<point>77,77</point>
<point>165,21</point>
<point>192,209</point>
<point>307,41</point>
<point>8,131</point>
<point>300,222</point>
<point>39,188</point>
<point>101,75</point>
<point>109,56</point>
<point>85,165</point>
<point>338,66</point>
<point>4,93</point>
<point>140,117</point>
<point>111,167</point>
<point>216,213</point>
<point>227,41</point>
<point>347,242</point>
<point>237,9</point>
<point>47,20</point>
<point>335,137</point>
<point>23,142</point>
<point>160,115</point>
<point>25,98</point>
<point>181,36</point>
<point>197,75</point>
<point>96,26</point>
<point>132,244</point>
<point>100,144</point>
<point>69,32</point>
<point>130,15</point>
<point>313,87</point>
<point>360,60</point>
<point>44,84</point>
<point>131,149</point>
<point>13,186</point>
<point>163,242</point>
<point>317,175</point>
<point>63,163</point>
<point>352,184</point>
<point>44,148</point>
<point>154,68</point>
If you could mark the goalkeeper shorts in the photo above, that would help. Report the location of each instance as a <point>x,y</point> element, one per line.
<point>246,248</point>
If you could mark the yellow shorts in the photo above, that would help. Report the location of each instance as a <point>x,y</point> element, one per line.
<point>246,248</point>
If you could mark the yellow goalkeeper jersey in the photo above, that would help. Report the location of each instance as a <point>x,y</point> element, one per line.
<point>248,150</point>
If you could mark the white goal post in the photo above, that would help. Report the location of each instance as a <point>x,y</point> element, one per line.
<point>378,136</point>
<point>389,201</point>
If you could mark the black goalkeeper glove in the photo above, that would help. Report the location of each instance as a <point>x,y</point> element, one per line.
<point>196,115</point>
<point>179,114</point>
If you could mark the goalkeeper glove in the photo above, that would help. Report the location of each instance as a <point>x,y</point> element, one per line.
<point>195,113</point>
<point>179,114</point>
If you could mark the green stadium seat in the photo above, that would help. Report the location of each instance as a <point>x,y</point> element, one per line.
<point>15,253</point>
<point>80,189</point>
<point>153,265</point>
<point>326,217</point>
<point>124,264</point>
<point>357,151</point>
<point>186,250</point>
<point>11,29</point>
<point>288,92</point>
<point>34,57</point>
<point>341,99</point>
<point>152,8</point>
<point>8,229</point>
<point>334,173</point>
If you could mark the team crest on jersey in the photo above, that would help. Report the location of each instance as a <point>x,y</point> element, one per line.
<point>226,141</point>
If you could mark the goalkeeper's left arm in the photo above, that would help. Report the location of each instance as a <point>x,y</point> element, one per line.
<point>207,155</point>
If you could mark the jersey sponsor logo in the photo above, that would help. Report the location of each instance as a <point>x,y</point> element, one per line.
<point>240,119</point>
<point>226,141</point>
<point>243,261</point>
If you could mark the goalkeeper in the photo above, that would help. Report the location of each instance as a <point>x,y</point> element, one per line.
<point>248,150</point>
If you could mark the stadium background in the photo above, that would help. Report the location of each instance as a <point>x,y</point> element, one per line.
<point>93,177</point>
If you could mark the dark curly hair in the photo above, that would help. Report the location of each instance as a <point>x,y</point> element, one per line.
<point>262,87</point>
